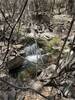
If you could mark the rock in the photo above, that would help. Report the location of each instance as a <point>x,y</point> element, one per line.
<point>53,67</point>
<point>30,35</point>
<point>47,35</point>
<point>15,63</point>
<point>46,57</point>
<point>2,75</point>
<point>29,68</point>
<point>22,53</point>
<point>22,40</point>
<point>18,46</point>
<point>56,48</point>
<point>1,44</point>
<point>41,42</point>
<point>36,85</point>
<point>70,38</point>
<point>66,50</point>
<point>47,73</point>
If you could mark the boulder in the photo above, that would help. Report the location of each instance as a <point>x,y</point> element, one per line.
<point>15,62</point>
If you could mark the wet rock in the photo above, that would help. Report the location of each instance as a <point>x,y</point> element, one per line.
<point>15,63</point>
<point>29,68</point>
<point>22,53</point>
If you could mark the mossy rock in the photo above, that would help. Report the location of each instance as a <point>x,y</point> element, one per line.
<point>55,41</point>
<point>23,75</point>
<point>46,45</point>
<point>42,42</point>
<point>29,40</point>
<point>27,73</point>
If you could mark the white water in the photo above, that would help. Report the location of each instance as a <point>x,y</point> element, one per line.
<point>33,58</point>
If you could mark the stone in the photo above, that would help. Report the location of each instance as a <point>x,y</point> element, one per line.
<point>15,63</point>
<point>22,53</point>
<point>47,35</point>
<point>36,85</point>
<point>2,75</point>
<point>18,46</point>
<point>47,73</point>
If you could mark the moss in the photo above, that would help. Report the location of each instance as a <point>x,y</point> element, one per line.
<point>55,41</point>
<point>46,45</point>
<point>23,75</point>
<point>29,72</point>
<point>41,42</point>
<point>29,40</point>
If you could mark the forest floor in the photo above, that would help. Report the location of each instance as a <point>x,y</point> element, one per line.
<point>25,68</point>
